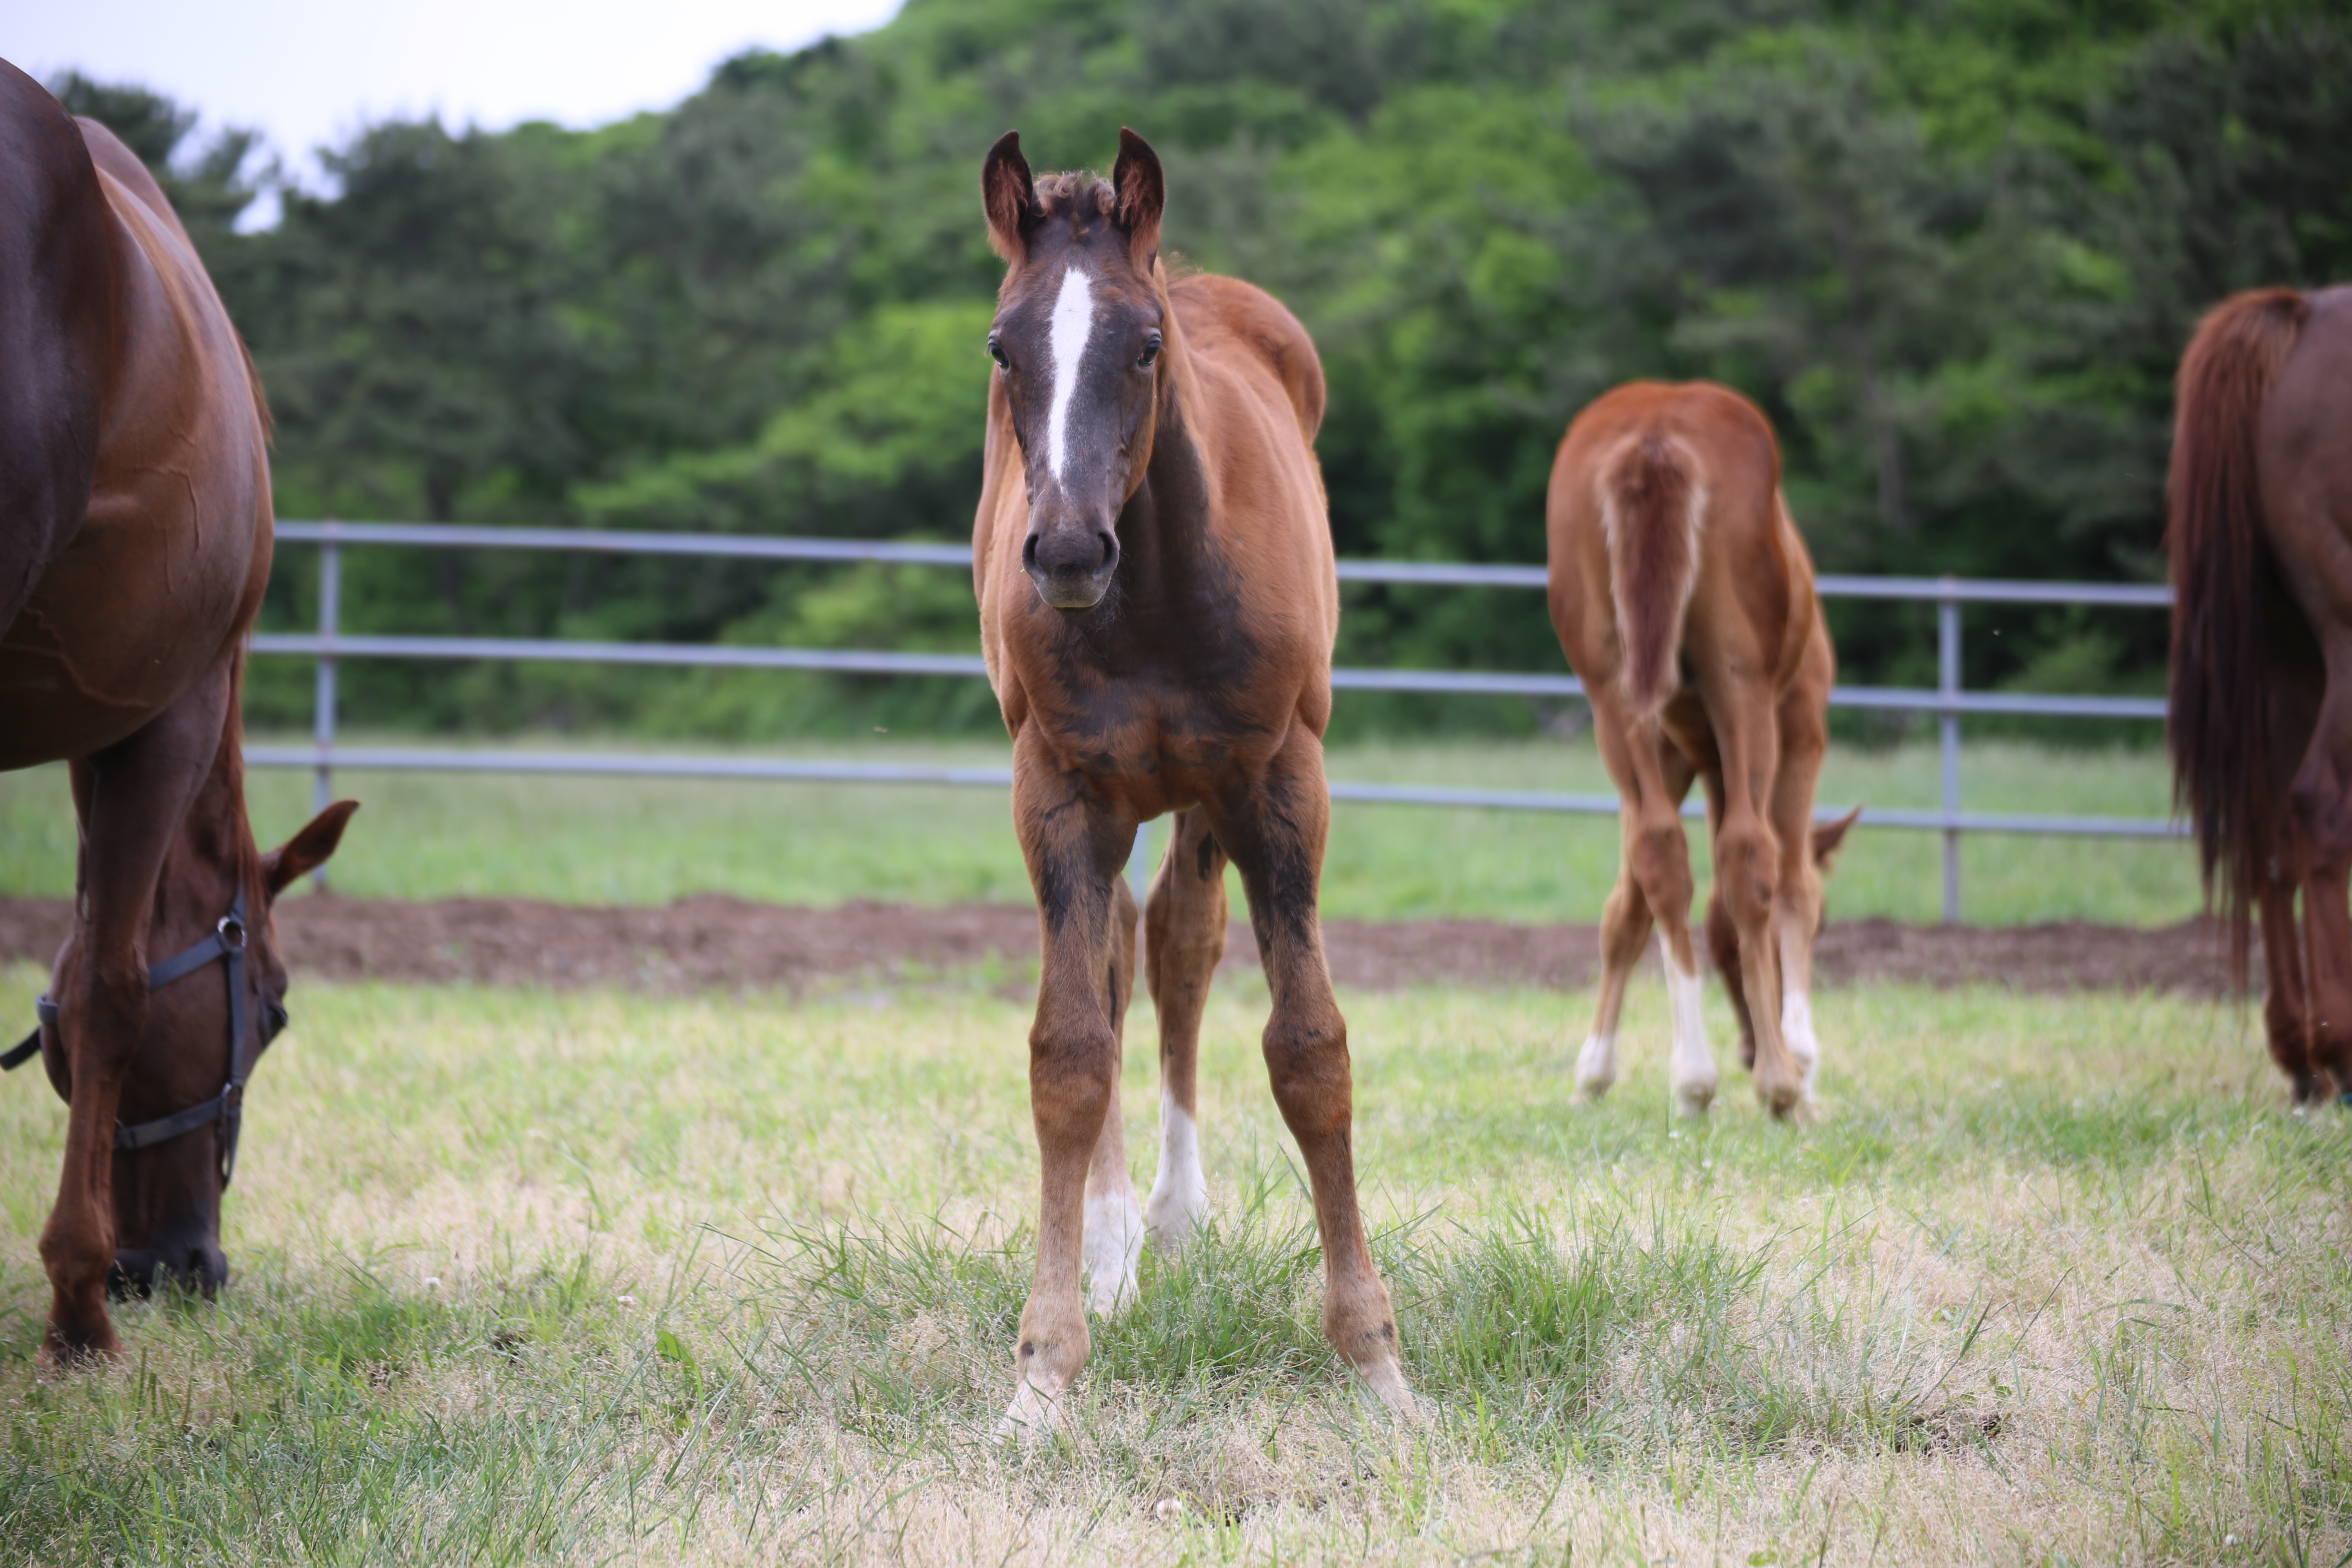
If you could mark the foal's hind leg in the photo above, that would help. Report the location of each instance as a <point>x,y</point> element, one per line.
<point>1114,1239</point>
<point>1625,923</point>
<point>1274,827</point>
<point>130,798</point>
<point>1183,936</point>
<point>1652,779</point>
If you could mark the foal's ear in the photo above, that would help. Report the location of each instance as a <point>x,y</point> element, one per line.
<point>1008,192</point>
<point>307,850</point>
<point>1142,192</point>
<point>1828,836</point>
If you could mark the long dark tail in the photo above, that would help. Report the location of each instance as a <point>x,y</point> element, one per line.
<point>1652,493</point>
<point>2223,580</point>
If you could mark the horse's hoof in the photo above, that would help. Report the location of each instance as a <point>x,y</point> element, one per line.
<point>1596,1068</point>
<point>1385,1381</point>
<point>1031,1418</point>
<point>1693,1099</point>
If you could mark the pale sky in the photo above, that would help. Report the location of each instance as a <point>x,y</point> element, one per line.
<point>309,72</point>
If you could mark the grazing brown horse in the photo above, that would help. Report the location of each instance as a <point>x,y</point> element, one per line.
<point>1158,605</point>
<point>2260,541</point>
<point>134,544</point>
<point>1684,598</point>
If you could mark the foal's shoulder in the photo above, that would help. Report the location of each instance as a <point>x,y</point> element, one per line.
<point>1225,314</point>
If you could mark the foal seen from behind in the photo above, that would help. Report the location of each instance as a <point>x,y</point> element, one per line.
<point>1157,606</point>
<point>1684,598</point>
<point>135,537</point>
<point>2260,542</point>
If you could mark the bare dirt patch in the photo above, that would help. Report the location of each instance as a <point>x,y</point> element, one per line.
<point>713,943</point>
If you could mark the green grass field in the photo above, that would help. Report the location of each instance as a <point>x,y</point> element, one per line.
<point>629,841</point>
<point>607,1278</point>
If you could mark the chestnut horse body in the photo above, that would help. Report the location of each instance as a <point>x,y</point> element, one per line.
<point>1684,598</point>
<point>134,546</point>
<point>1157,607</point>
<point>2259,541</point>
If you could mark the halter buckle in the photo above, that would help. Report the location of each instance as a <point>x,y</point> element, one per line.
<point>232,934</point>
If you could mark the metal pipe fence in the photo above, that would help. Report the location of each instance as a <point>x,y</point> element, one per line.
<point>330,645</point>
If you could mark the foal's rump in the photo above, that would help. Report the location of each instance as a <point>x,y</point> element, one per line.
<point>1663,494</point>
<point>166,558</point>
<point>1228,321</point>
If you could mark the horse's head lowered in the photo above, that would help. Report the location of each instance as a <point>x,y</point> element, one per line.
<point>216,997</point>
<point>1080,324</point>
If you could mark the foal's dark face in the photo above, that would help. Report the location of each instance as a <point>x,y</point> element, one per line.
<point>1076,343</point>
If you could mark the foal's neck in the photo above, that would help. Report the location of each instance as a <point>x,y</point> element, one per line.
<point>1164,533</point>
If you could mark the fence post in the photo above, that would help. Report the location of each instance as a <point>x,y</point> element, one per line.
<point>322,716</point>
<point>1947,685</point>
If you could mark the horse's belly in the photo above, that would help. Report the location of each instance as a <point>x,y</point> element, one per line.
<point>147,597</point>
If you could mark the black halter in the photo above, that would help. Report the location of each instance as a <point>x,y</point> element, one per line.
<point>227,942</point>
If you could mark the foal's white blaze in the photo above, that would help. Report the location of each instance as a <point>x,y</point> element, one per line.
<point>1073,326</point>
<point>1114,1242</point>
<point>1691,1069</point>
<point>1596,1066</point>
<point>1180,1192</point>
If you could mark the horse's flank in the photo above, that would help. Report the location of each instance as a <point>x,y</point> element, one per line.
<point>176,534</point>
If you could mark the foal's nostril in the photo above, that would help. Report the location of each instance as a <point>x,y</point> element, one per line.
<point>1029,553</point>
<point>1110,549</point>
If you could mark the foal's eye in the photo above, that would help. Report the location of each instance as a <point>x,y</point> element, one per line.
<point>996,353</point>
<point>1150,351</point>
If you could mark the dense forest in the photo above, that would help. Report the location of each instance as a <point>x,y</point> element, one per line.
<point>1954,248</point>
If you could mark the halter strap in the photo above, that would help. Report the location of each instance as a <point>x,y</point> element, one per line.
<point>226,942</point>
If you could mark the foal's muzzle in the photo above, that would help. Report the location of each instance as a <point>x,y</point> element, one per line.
<point>1071,566</point>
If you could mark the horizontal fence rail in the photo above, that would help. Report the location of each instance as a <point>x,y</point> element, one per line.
<point>330,645</point>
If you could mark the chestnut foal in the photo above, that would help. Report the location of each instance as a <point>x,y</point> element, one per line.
<point>135,535</point>
<point>1684,600</point>
<point>1158,605</point>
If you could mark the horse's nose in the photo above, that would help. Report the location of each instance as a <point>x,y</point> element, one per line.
<point>1072,566</point>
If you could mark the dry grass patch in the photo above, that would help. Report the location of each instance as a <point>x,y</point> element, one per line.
<point>601,1277</point>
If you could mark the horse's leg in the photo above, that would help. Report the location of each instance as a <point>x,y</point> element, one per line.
<point>1658,856</point>
<point>130,798</point>
<point>1722,936</point>
<point>1747,874</point>
<point>2294,688</point>
<point>1624,929</point>
<point>1625,923</point>
<point>1074,847</point>
<point>1114,1239</point>
<point>2286,1017</point>
<point>1275,828</point>
<point>1797,903</point>
<point>1183,938</point>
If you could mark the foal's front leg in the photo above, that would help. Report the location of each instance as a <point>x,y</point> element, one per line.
<point>1075,845</point>
<point>1275,829</point>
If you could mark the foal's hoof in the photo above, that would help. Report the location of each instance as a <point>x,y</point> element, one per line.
<point>1596,1070</point>
<point>1032,1416</point>
<point>1693,1099</point>
<point>1385,1381</point>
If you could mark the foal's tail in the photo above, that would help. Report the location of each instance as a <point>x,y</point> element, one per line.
<point>1651,502</point>
<point>2223,580</point>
